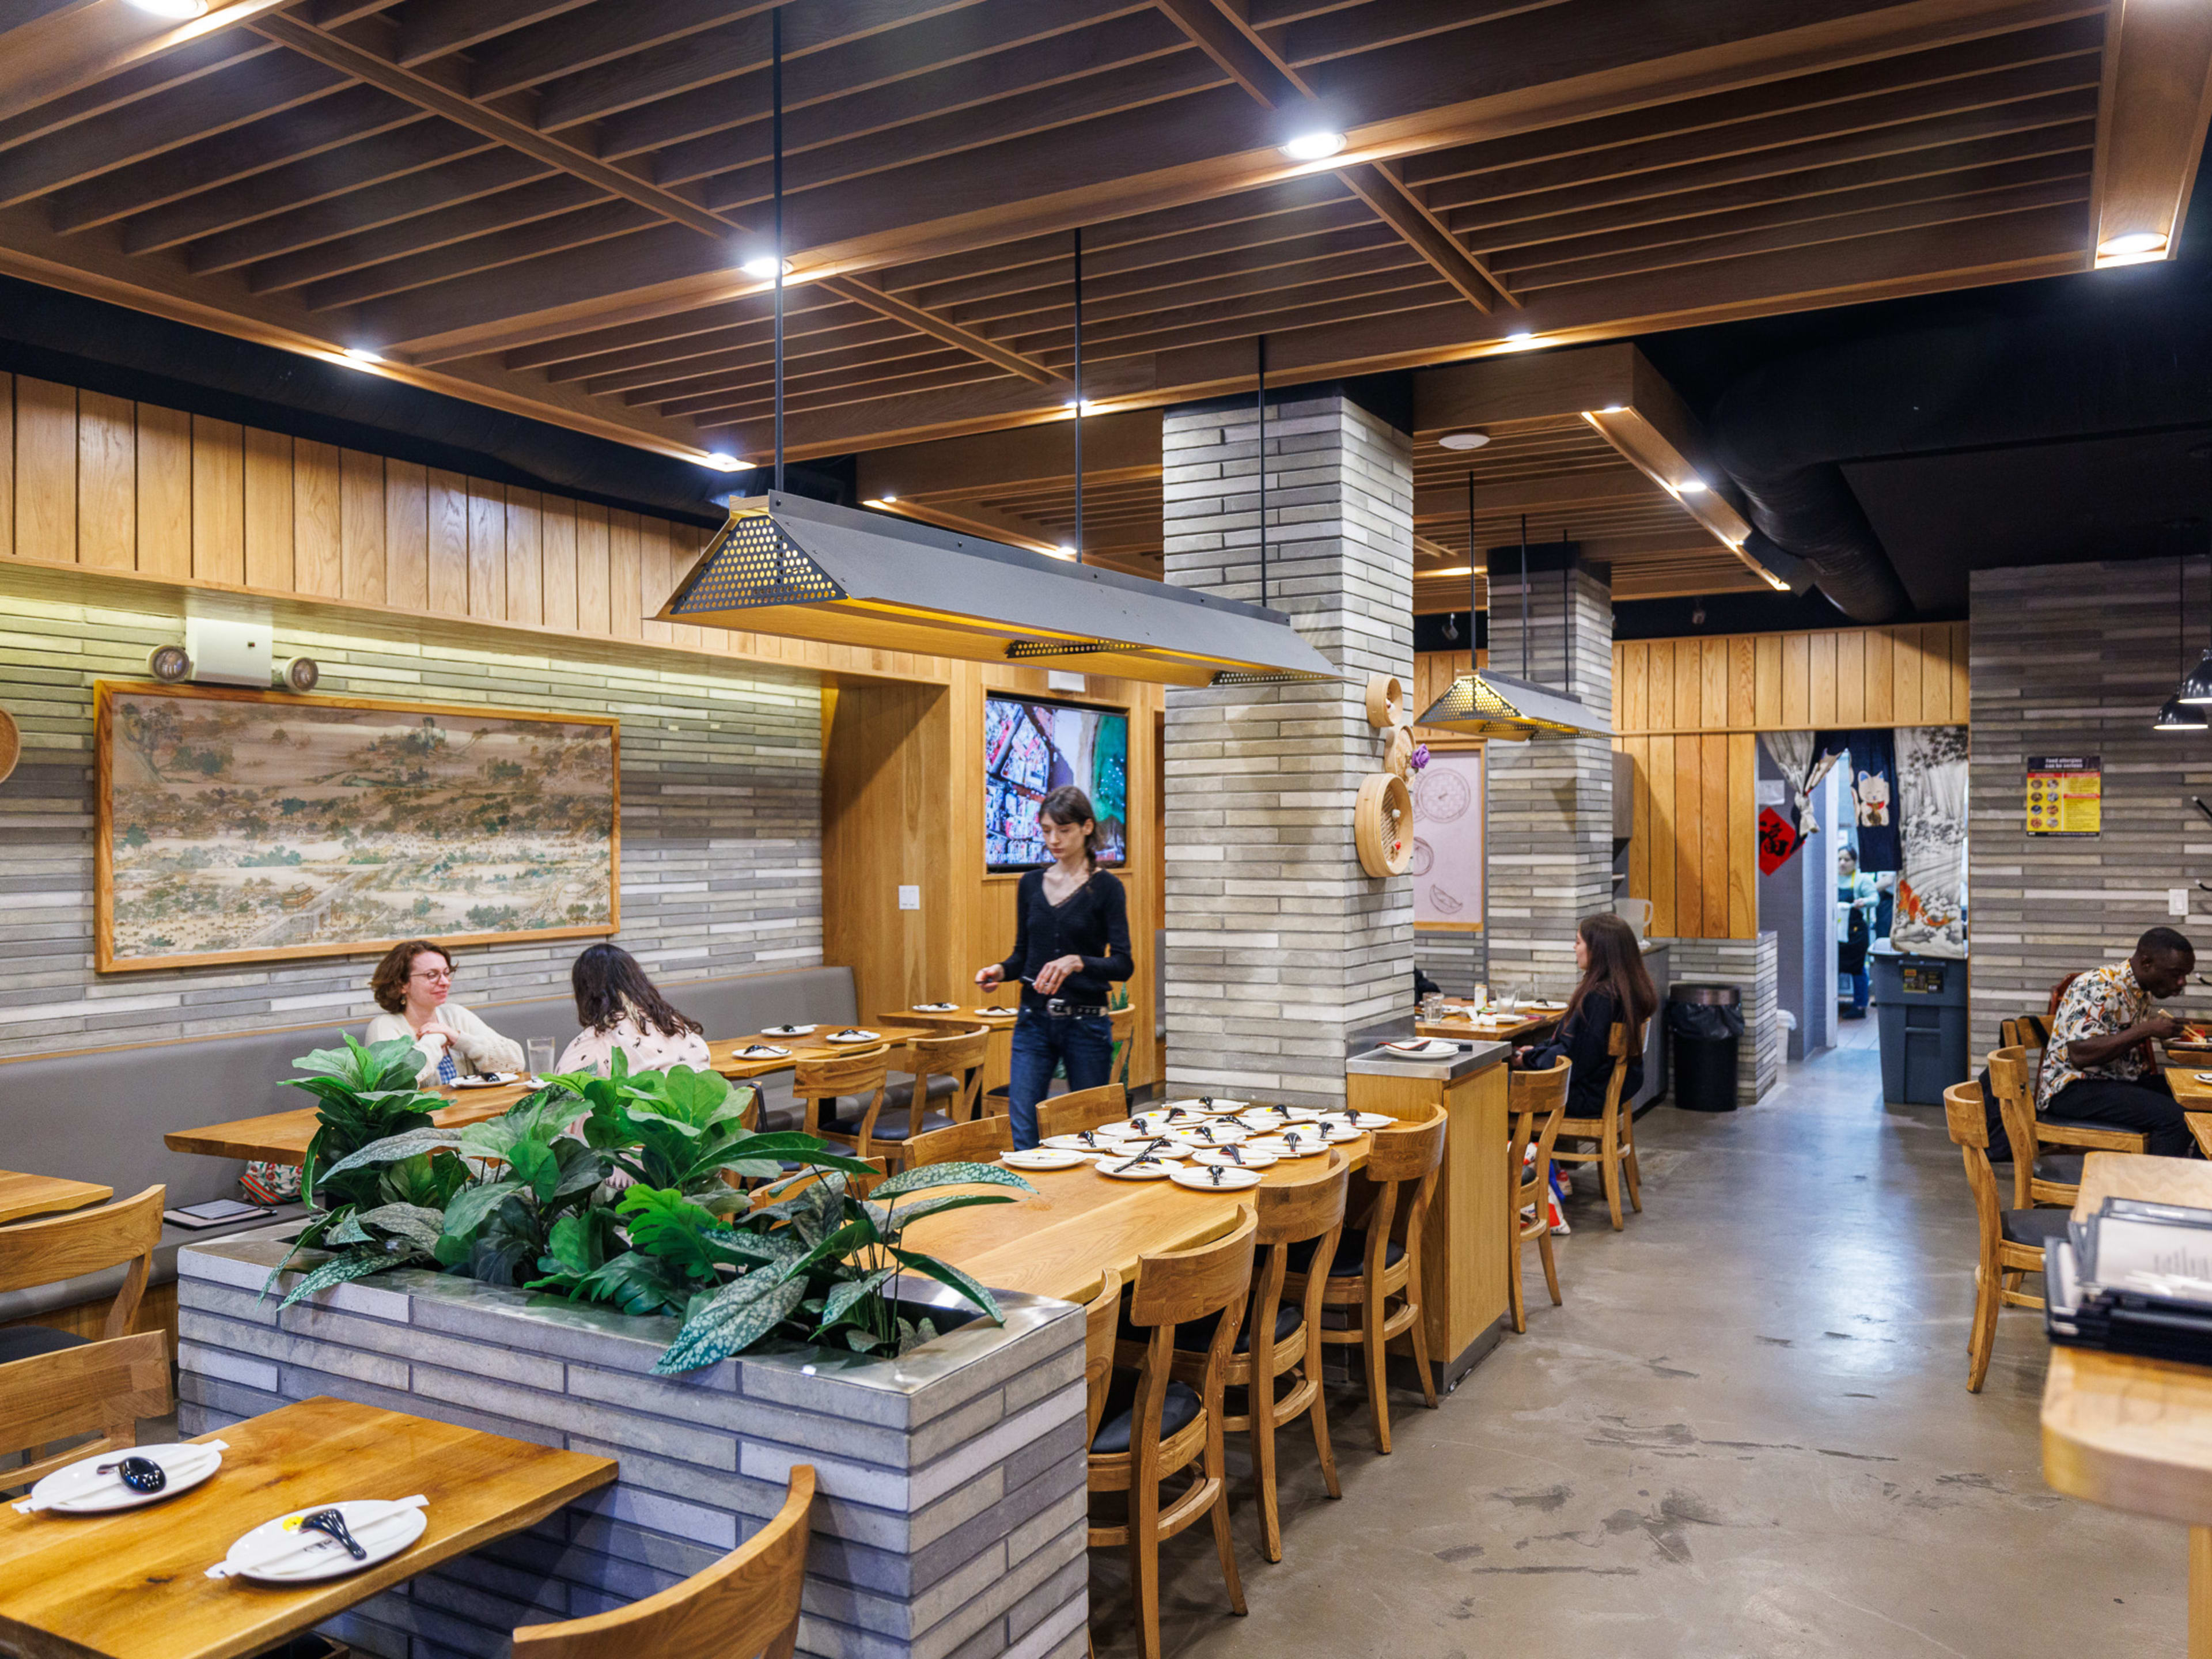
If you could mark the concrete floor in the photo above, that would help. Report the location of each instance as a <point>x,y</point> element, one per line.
<point>1748,1432</point>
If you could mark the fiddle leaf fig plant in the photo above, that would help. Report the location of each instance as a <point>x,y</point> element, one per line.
<point>626,1189</point>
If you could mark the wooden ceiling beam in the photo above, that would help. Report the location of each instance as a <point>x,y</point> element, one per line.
<point>1114,446</point>
<point>878,332</point>
<point>2154,105</point>
<point>1254,280</point>
<point>674,334</point>
<point>64,52</point>
<point>1622,485</point>
<point>665,350</point>
<point>598,34</point>
<point>432,28</point>
<point>907,354</point>
<point>754,403</point>
<point>1119,354</point>
<point>186,63</point>
<point>554,215</point>
<point>1399,208</point>
<point>1317,40</point>
<point>1241,53</point>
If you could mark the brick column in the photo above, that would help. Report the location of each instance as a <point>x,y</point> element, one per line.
<point>1279,947</point>
<point>1549,833</point>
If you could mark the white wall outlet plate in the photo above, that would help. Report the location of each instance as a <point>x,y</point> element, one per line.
<point>909,898</point>
<point>2177,901</point>
<point>228,653</point>
<point>1059,679</point>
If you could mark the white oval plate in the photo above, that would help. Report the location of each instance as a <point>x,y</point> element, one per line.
<point>1357,1120</point>
<point>1044,1158</point>
<point>77,1489</point>
<point>1281,1146</point>
<point>1146,1169</point>
<point>786,1031</point>
<point>998,1014</point>
<point>1215,1178</point>
<point>761,1051</point>
<point>2205,1077</point>
<point>380,1526</point>
<point>1222,1132</point>
<point>1266,1119</point>
<point>1339,1133</point>
<point>935,1007</point>
<point>1224,1108</point>
<point>1245,1159</point>
<point>854,1034</point>
<point>1086,1140</point>
<point>489,1080</point>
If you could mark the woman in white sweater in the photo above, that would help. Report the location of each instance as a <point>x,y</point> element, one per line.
<point>411,985</point>
<point>619,1007</point>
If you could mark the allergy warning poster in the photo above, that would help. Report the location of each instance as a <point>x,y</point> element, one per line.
<point>2065,795</point>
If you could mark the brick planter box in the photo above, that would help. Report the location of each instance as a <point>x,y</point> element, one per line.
<point>951,1514</point>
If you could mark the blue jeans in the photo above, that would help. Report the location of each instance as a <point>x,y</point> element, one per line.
<point>1862,985</point>
<point>1041,1042</point>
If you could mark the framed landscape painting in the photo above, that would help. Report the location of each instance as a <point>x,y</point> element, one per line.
<point>237,825</point>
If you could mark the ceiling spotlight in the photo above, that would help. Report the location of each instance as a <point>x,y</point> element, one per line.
<point>1451,570</point>
<point>177,11</point>
<point>1469,440</point>
<point>762,267</point>
<point>722,461</point>
<point>1520,340</point>
<point>361,355</point>
<point>887,498</point>
<point>1692,487</point>
<point>1614,409</point>
<point>1063,551</point>
<point>2139,241</point>
<point>1314,146</point>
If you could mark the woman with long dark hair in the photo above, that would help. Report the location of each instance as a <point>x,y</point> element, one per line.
<point>619,1007</point>
<point>1616,989</point>
<point>1071,943</point>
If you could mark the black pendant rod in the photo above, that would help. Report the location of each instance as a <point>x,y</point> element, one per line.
<point>1566,615</point>
<point>1470,570</point>
<point>1524,596</point>
<point>775,131</point>
<point>1079,394</point>
<point>1261,425</point>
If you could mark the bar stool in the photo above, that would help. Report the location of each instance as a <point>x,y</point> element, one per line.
<point>1381,1260</point>
<point>1152,1426</point>
<point>947,1072</point>
<point>1311,1213</point>
<point>1538,1103</point>
<point>822,1085</point>
<point>1613,1132</point>
<point>1086,1108</point>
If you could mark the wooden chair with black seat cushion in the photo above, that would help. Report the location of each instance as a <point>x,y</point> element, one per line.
<point>2041,1177</point>
<point>1310,1213</point>
<point>1380,1259</point>
<point>1102,1319</point>
<point>1611,1135</point>
<point>1153,1426</point>
<point>1086,1108</point>
<point>977,1142</point>
<point>746,1603</point>
<point>1537,1103</point>
<point>842,1096</point>
<point>2030,1032</point>
<point>56,1385</point>
<point>2011,1241</point>
<point>948,1071</point>
<point>1122,1022</point>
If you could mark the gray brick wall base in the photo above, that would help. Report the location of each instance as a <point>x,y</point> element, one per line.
<point>1754,966</point>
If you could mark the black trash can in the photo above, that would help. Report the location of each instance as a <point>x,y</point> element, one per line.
<point>1706,1024</point>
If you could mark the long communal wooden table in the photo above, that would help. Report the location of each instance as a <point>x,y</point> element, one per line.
<point>22,1195</point>
<point>134,1584</point>
<point>2195,1100</point>
<point>2136,1434</point>
<point>283,1137</point>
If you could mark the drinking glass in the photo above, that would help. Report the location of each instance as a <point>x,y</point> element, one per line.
<point>540,1050</point>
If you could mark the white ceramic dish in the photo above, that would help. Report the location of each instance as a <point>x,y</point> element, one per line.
<point>2205,1077</point>
<point>997,1013</point>
<point>854,1035</point>
<point>762,1051</point>
<point>786,1031</point>
<point>79,1488</point>
<point>1264,1120</point>
<point>1215,1178</point>
<point>1218,1132</point>
<point>1243,1157</point>
<point>1304,1146</point>
<point>1085,1140</point>
<point>282,1552</point>
<point>935,1007</point>
<point>1339,1133</point>
<point>1138,1169</point>
<point>1359,1120</point>
<point>487,1080</point>
<point>1044,1157</point>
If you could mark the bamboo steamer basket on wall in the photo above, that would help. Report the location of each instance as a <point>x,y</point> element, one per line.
<point>1382,824</point>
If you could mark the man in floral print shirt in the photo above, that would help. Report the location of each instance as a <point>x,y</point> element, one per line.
<point>2093,1070</point>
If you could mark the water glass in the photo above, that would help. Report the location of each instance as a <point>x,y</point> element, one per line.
<point>540,1050</point>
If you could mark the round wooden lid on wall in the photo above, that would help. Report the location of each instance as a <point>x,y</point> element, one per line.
<point>11,744</point>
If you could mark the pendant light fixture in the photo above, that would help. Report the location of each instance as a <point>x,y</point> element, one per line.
<point>803,570</point>
<point>2177,714</point>
<point>2197,687</point>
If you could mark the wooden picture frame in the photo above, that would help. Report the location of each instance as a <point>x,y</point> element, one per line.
<point>109,698</point>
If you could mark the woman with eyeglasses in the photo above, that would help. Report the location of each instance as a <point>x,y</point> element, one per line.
<point>411,985</point>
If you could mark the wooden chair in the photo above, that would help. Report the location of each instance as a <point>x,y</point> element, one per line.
<point>1102,1320</point>
<point>1613,1134</point>
<point>1538,1104</point>
<point>775,1191</point>
<point>1123,1023</point>
<point>1310,1213</point>
<point>746,1603</point>
<point>1153,1426</point>
<point>979,1140</point>
<point>823,1086</point>
<point>946,1072</point>
<point>1086,1108</point>
<point>2038,1178</point>
<point>2011,1240</point>
<point>58,1386</point>
<point>1383,1259</point>
<point>2030,1032</point>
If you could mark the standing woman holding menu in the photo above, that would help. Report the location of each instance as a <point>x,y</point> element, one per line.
<point>1071,943</point>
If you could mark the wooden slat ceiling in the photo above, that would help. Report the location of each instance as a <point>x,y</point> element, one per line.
<point>543,203</point>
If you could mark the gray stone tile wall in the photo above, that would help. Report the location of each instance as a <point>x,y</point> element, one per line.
<point>721,868</point>
<point>1458,961</point>
<point>951,1518</point>
<point>1278,946</point>
<point>1753,965</point>
<point>2069,659</point>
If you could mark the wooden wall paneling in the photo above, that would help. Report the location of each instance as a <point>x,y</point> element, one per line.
<point>682,541</point>
<point>655,579</point>
<point>1959,712</point>
<point>1822,709</point>
<point>1743,689</point>
<point>1766,682</point>
<point>317,520</point>
<point>407,535</point>
<point>164,472</point>
<point>888,749</point>
<point>107,482</point>
<point>624,589</point>
<point>1689,684</point>
<point>1712,683</point>
<point>1906,665</point>
<point>1743,836</point>
<point>1665,836</point>
<point>1796,682</point>
<point>219,501</point>
<point>8,472</point>
<point>1639,830</point>
<point>1632,688</point>
<point>45,471</point>
<point>557,528</point>
<point>1851,678</point>
<point>447,543</point>
<point>1659,685</point>
<point>592,611</point>
<point>270,493</point>
<point>1880,677</point>
<point>1717,829</point>
<point>361,527</point>
<point>525,571</point>
<point>486,551</point>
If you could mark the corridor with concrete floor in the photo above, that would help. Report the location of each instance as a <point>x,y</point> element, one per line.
<point>1746,1433</point>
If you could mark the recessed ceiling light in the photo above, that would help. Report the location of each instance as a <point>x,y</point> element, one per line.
<point>887,498</point>
<point>1520,340</point>
<point>1469,440</point>
<point>1314,146</point>
<point>1691,486</point>
<point>763,267</point>
<point>361,355</point>
<point>1451,570</point>
<point>722,461</point>
<point>1614,409</point>
<point>1064,552</point>
<point>177,11</point>
<point>2138,241</point>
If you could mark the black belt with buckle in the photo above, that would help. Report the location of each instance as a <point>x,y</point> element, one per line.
<point>1060,1009</point>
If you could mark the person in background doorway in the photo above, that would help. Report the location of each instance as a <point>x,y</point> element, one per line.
<point>619,1007</point>
<point>411,985</point>
<point>1071,944</point>
<point>1857,897</point>
<point>2097,1067</point>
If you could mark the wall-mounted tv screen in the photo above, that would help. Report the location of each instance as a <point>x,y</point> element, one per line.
<point>1030,748</point>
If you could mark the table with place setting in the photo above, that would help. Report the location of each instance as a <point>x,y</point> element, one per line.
<point>1492,1025</point>
<point>22,1196</point>
<point>950,1015</point>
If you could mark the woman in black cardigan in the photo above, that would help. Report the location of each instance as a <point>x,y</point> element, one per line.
<point>1616,988</point>
<point>1071,942</point>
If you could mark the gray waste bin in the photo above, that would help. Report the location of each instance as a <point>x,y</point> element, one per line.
<point>1705,1023</point>
<point>1920,1003</point>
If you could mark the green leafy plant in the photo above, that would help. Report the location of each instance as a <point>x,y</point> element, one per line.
<point>620,1189</point>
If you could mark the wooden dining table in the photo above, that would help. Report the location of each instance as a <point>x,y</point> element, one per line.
<point>1513,1031</point>
<point>133,1585</point>
<point>283,1137</point>
<point>22,1195</point>
<point>2195,1101</point>
<point>2131,1433</point>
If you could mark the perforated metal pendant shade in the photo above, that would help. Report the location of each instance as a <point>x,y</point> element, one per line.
<point>803,570</point>
<point>1487,705</point>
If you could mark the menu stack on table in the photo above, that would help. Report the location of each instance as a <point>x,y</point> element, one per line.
<point>2135,1277</point>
